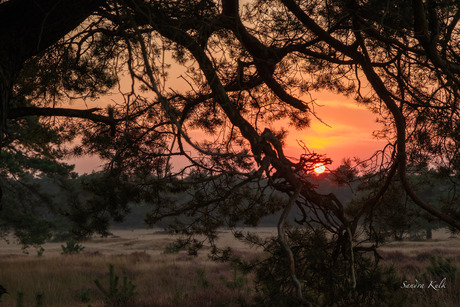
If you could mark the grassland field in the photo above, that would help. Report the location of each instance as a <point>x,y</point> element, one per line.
<point>165,279</point>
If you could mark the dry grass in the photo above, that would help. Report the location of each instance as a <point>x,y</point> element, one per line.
<point>411,260</point>
<point>172,279</point>
<point>160,279</point>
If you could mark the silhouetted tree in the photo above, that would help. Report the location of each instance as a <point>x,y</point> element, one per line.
<point>395,214</point>
<point>244,66</point>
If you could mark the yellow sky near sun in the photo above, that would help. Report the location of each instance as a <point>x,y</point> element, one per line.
<point>348,132</point>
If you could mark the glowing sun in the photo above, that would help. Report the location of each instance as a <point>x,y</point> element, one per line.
<point>319,168</point>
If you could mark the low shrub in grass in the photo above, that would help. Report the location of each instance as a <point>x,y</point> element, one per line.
<point>115,295</point>
<point>325,273</point>
<point>72,247</point>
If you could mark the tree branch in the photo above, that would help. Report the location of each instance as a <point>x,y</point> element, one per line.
<point>87,114</point>
<point>287,249</point>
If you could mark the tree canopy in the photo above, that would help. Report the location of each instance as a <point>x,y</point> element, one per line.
<point>243,66</point>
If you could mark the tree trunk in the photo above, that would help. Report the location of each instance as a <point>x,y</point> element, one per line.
<point>429,233</point>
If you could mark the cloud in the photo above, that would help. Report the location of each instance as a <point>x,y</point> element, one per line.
<point>348,132</point>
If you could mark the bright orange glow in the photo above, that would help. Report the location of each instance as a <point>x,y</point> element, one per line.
<point>348,135</point>
<point>319,168</point>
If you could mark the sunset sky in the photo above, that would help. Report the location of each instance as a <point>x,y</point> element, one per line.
<point>349,134</point>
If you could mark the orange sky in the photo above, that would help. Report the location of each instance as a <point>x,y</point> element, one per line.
<point>349,134</point>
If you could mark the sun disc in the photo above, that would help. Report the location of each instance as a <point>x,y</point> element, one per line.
<point>319,168</point>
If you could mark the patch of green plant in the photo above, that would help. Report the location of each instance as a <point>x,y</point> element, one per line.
<point>417,236</point>
<point>20,299</point>
<point>114,295</point>
<point>84,296</point>
<point>441,282</point>
<point>38,299</point>
<point>71,247</point>
<point>2,292</point>
<point>61,236</point>
<point>172,248</point>
<point>238,282</point>
<point>202,281</point>
<point>440,268</point>
<point>177,298</point>
<point>40,251</point>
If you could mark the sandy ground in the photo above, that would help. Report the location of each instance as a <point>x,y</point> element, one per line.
<point>153,241</point>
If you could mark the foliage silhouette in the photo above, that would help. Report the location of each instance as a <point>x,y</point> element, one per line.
<point>115,295</point>
<point>327,275</point>
<point>244,68</point>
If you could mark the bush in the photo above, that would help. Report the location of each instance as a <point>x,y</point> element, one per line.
<point>323,266</point>
<point>173,248</point>
<point>115,296</point>
<point>202,281</point>
<point>440,268</point>
<point>71,247</point>
<point>84,296</point>
<point>441,284</point>
<point>38,299</point>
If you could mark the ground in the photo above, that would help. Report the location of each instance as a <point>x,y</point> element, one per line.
<point>171,279</point>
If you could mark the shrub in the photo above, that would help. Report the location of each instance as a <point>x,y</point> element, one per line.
<point>2,291</point>
<point>84,296</point>
<point>238,281</point>
<point>440,268</point>
<point>115,296</point>
<point>324,268</point>
<point>172,248</point>
<point>38,299</point>
<point>20,299</point>
<point>71,247</point>
<point>40,251</point>
<point>202,281</point>
<point>441,284</point>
